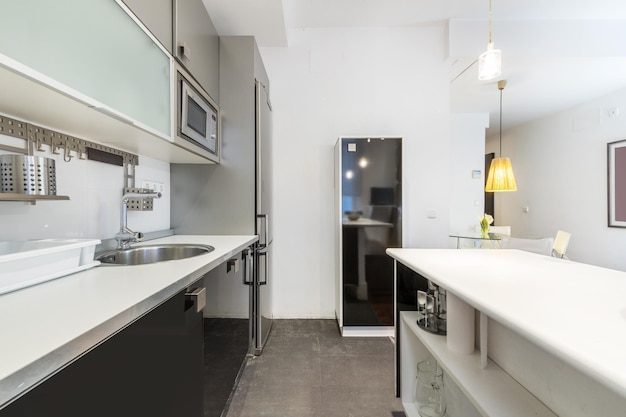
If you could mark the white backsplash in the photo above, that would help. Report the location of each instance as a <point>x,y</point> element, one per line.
<point>93,211</point>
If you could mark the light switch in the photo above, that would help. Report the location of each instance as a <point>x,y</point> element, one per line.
<point>526,209</point>
<point>431,214</point>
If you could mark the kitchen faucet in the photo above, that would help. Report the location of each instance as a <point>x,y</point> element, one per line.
<point>125,236</point>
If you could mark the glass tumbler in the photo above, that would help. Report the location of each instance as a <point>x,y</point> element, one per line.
<point>428,393</point>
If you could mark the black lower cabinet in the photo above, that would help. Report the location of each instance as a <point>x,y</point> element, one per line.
<point>226,346</point>
<point>153,367</point>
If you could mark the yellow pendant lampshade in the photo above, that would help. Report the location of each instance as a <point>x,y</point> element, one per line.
<point>501,177</point>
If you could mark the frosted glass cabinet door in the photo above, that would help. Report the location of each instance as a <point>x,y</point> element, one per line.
<point>95,48</point>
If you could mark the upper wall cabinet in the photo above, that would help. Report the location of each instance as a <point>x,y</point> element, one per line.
<point>94,52</point>
<point>197,44</point>
<point>157,16</point>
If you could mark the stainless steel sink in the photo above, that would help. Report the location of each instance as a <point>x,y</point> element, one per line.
<point>147,254</point>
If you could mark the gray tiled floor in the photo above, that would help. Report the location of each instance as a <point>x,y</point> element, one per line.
<point>308,370</point>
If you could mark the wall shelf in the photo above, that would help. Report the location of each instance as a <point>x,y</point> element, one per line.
<point>491,390</point>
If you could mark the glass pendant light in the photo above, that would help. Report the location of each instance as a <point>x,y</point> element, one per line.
<point>501,177</point>
<point>490,61</point>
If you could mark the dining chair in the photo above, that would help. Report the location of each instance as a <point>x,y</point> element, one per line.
<point>501,230</point>
<point>561,241</point>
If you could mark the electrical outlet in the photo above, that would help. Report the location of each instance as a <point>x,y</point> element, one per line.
<point>158,187</point>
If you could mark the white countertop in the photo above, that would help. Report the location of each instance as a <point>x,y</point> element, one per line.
<point>573,310</point>
<point>46,326</point>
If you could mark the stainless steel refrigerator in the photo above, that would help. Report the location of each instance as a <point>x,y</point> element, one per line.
<point>368,221</point>
<point>235,196</point>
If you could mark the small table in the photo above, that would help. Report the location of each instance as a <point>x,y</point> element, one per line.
<point>493,238</point>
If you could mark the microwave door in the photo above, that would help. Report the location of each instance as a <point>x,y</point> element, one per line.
<point>196,117</point>
<point>199,120</point>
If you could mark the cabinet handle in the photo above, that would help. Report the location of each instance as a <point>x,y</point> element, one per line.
<point>198,297</point>
<point>232,265</point>
<point>184,51</point>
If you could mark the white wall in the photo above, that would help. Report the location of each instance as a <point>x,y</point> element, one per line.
<point>93,210</point>
<point>467,143</point>
<point>352,82</point>
<point>560,165</point>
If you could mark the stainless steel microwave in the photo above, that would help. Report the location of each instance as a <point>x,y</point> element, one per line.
<point>198,118</point>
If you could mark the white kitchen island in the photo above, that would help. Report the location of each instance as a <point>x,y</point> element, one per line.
<point>557,328</point>
<point>45,327</point>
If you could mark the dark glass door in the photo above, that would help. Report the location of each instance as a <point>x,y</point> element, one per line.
<point>372,204</point>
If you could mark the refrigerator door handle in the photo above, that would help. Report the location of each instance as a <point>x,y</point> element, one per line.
<point>266,267</point>
<point>266,229</point>
<point>247,267</point>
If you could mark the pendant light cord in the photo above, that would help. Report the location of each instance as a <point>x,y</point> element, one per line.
<point>501,123</point>
<point>490,27</point>
<point>501,85</point>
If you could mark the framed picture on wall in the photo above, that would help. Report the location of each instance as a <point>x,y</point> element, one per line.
<point>617,183</point>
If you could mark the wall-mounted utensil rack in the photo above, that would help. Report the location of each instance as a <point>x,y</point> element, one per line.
<point>141,203</point>
<point>35,137</point>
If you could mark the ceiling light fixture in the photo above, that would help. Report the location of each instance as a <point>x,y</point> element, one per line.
<point>501,177</point>
<point>490,61</point>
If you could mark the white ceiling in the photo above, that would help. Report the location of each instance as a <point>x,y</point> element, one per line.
<point>556,53</point>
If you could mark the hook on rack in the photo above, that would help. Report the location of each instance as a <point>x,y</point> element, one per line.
<point>67,157</point>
